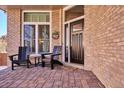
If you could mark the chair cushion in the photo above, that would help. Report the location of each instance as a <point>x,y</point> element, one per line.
<point>46,60</point>
<point>48,56</point>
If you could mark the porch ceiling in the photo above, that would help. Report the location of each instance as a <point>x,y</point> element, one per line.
<point>34,7</point>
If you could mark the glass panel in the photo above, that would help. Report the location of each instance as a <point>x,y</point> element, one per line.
<point>29,37</point>
<point>43,38</point>
<point>37,17</point>
<point>77,26</point>
<point>41,18</point>
<point>34,18</point>
<point>27,17</point>
<point>47,18</point>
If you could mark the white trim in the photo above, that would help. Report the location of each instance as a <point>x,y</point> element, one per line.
<point>36,11</point>
<point>63,43</point>
<point>68,22</point>
<point>68,7</point>
<point>75,19</point>
<point>36,28</point>
<point>22,32</point>
<point>69,55</point>
<point>36,38</point>
<point>40,23</point>
<point>60,28</point>
<point>50,31</point>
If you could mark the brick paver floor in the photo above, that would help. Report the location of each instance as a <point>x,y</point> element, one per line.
<point>60,77</point>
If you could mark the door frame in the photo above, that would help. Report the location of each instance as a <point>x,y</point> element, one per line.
<point>64,23</point>
<point>77,53</point>
<point>36,28</point>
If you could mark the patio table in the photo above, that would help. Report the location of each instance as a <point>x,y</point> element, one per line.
<point>42,55</point>
<point>37,58</point>
<point>52,60</point>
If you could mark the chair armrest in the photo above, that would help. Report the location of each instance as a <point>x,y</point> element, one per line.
<point>53,55</point>
<point>11,56</point>
<point>56,54</point>
<point>47,53</point>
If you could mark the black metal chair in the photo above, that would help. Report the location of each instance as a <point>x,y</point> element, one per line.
<point>52,57</point>
<point>22,58</point>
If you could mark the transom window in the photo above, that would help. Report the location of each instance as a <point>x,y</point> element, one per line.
<point>37,17</point>
<point>36,31</point>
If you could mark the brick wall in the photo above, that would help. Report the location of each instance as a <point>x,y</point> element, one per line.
<point>104,43</point>
<point>13,31</point>
<point>56,26</point>
<point>3,59</point>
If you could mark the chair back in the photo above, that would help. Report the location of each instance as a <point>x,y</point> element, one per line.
<point>57,50</point>
<point>23,53</point>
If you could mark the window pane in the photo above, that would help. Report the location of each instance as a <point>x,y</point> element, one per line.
<point>43,38</point>
<point>29,37</point>
<point>27,17</point>
<point>36,17</point>
<point>77,26</point>
<point>42,18</point>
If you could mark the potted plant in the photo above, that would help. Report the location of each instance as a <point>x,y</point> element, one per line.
<point>55,34</point>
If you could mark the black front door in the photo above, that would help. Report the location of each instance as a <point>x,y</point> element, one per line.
<point>77,50</point>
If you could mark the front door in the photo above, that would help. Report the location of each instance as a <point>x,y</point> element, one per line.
<point>76,42</point>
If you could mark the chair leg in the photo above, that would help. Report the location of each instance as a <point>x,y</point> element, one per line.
<point>52,66</point>
<point>28,63</point>
<point>35,61</point>
<point>12,66</point>
<point>43,64</point>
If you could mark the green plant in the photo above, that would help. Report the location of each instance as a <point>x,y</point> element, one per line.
<point>55,34</point>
